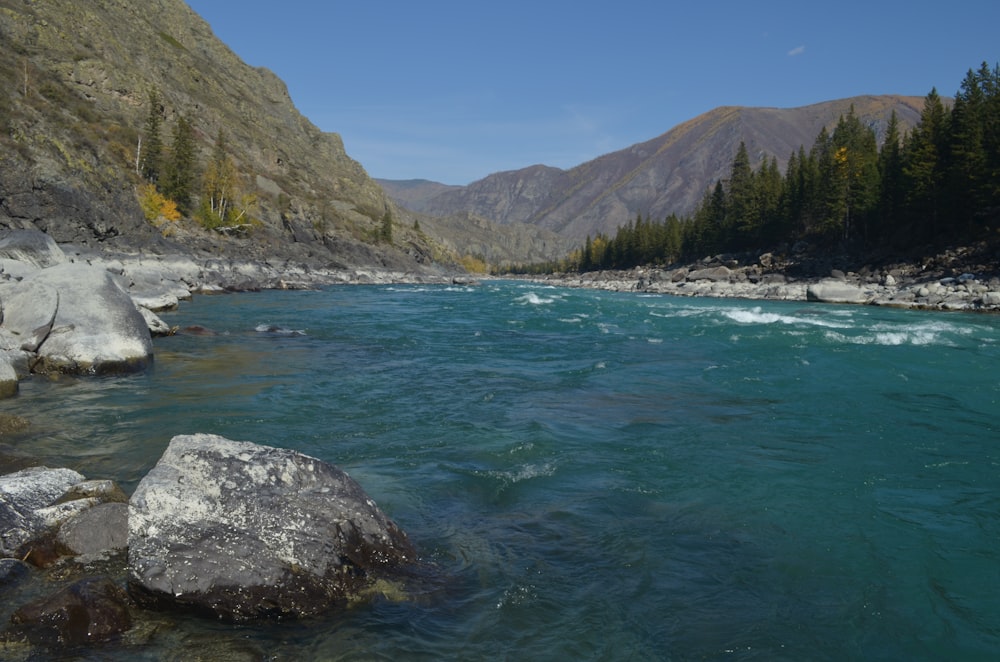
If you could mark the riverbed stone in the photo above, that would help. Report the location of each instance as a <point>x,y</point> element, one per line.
<point>99,530</point>
<point>8,377</point>
<point>89,611</point>
<point>24,495</point>
<point>243,531</point>
<point>97,328</point>
<point>13,572</point>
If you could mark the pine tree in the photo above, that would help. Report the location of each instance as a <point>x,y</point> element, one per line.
<point>151,153</point>
<point>385,229</point>
<point>989,82</point>
<point>891,191</point>
<point>855,185</point>
<point>967,185</point>
<point>741,206</point>
<point>924,167</point>
<point>769,193</point>
<point>179,175</point>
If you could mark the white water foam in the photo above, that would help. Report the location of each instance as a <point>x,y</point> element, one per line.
<point>922,334</point>
<point>756,315</point>
<point>276,330</point>
<point>533,299</point>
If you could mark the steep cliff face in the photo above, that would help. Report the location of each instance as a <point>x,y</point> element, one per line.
<point>668,174</point>
<point>76,80</point>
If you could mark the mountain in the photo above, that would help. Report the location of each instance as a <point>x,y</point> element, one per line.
<point>668,174</point>
<point>76,83</point>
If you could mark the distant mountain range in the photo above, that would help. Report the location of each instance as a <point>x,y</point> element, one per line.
<point>668,174</point>
<point>77,79</point>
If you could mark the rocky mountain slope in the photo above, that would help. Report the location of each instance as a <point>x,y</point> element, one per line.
<point>76,81</point>
<point>668,174</point>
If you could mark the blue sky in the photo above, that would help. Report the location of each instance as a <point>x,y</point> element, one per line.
<point>455,90</point>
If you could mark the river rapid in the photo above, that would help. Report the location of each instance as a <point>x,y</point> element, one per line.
<point>591,475</point>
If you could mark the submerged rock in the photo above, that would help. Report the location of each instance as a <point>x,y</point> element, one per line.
<point>89,611</point>
<point>243,531</point>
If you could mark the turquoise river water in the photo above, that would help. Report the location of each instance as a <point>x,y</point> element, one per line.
<point>593,475</point>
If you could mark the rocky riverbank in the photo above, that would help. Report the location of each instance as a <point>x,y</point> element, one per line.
<point>66,309</point>
<point>233,530</point>
<point>964,280</point>
<point>81,562</point>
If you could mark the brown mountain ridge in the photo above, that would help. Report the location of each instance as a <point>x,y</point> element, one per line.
<point>664,175</point>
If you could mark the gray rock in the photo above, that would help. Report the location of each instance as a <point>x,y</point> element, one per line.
<point>714,274</point>
<point>835,291</point>
<point>22,495</point>
<point>243,531</point>
<point>29,309</point>
<point>100,529</point>
<point>159,286</point>
<point>157,327</point>
<point>8,377</point>
<point>31,247</point>
<point>86,612</point>
<point>15,269</point>
<point>97,327</point>
<point>13,572</point>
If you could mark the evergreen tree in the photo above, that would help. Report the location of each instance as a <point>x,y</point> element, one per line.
<point>891,191</point>
<point>769,193</point>
<point>179,175</point>
<point>989,82</point>
<point>385,229</point>
<point>741,217</point>
<point>924,167</point>
<point>966,186</point>
<point>855,185</point>
<point>152,151</point>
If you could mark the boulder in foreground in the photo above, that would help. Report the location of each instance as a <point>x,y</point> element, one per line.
<point>243,531</point>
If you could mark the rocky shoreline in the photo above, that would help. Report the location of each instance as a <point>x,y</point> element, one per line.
<point>81,562</point>
<point>67,309</point>
<point>962,280</point>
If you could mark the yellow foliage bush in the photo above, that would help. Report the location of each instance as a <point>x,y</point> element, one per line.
<point>474,265</point>
<point>155,205</point>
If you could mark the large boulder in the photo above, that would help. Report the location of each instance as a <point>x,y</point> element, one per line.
<point>834,290</point>
<point>29,309</point>
<point>243,531</point>
<point>97,328</point>
<point>31,247</point>
<point>715,274</point>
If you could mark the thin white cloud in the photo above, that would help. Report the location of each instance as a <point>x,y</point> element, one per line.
<point>798,50</point>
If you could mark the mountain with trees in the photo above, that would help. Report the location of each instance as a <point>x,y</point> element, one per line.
<point>912,193</point>
<point>666,175</point>
<point>128,125</point>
